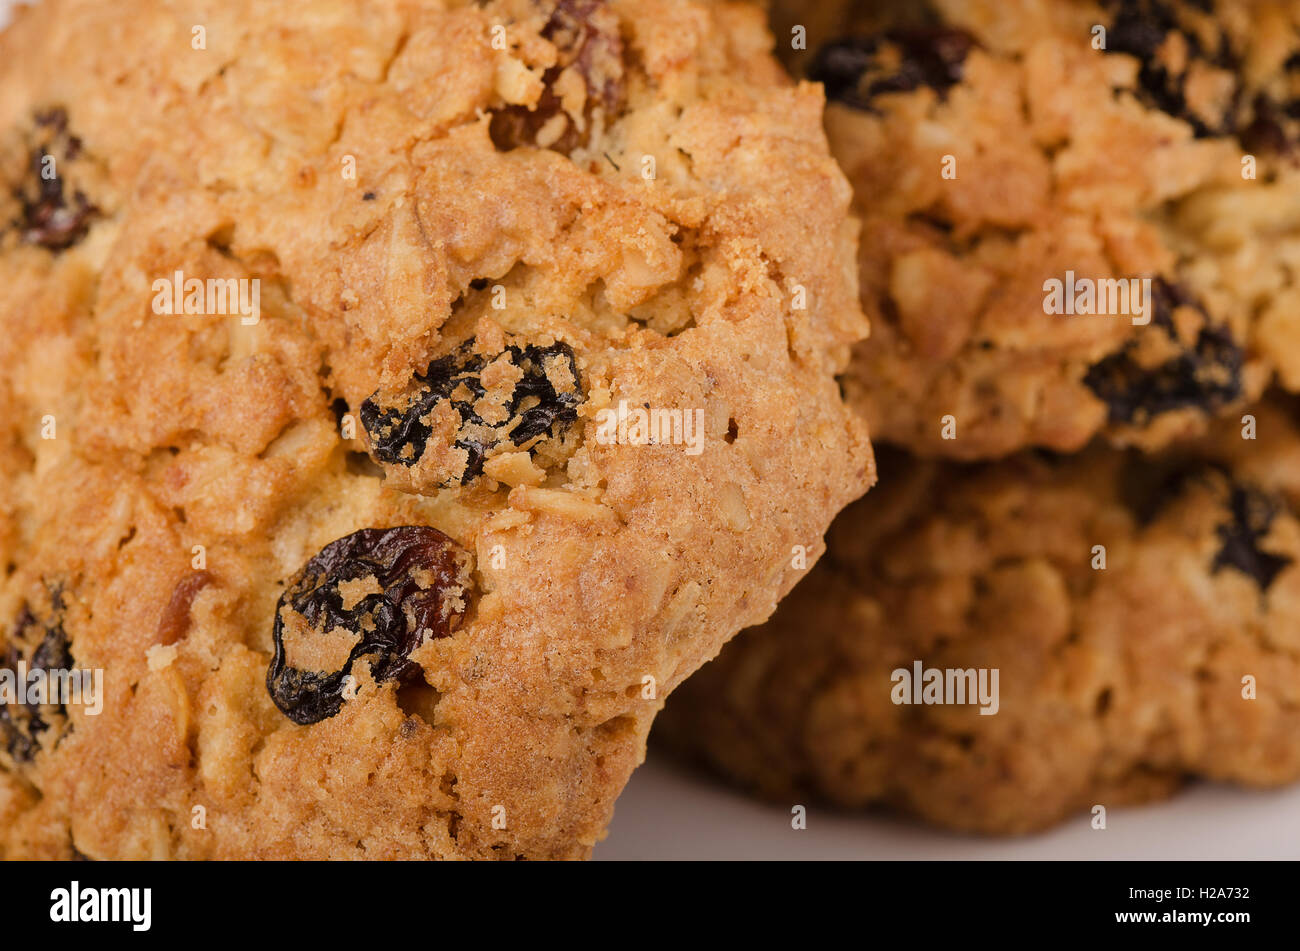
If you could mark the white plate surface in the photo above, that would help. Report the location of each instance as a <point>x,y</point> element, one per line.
<point>668,812</point>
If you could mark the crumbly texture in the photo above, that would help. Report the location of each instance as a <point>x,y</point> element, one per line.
<point>1115,683</point>
<point>487,222</point>
<point>994,147</point>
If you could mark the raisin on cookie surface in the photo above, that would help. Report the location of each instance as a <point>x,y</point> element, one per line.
<point>340,532</point>
<point>1141,614</point>
<point>994,148</point>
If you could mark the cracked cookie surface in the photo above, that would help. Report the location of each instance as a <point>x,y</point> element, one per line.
<point>333,521</point>
<point>1141,613</point>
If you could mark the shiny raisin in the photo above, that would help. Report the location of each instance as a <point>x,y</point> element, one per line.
<point>387,589</point>
<point>542,400</point>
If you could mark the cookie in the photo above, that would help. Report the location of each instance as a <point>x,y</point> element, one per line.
<point>1078,218</point>
<point>996,647</point>
<point>400,399</point>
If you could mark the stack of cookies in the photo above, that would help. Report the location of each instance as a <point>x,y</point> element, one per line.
<point>1077,583</point>
<point>400,398</point>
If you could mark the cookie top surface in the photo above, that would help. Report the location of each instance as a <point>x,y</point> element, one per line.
<point>400,398</point>
<point>1139,613</point>
<point>1078,218</point>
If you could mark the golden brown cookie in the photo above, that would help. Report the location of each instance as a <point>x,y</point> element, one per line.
<point>1078,217</point>
<point>995,647</point>
<point>399,399</point>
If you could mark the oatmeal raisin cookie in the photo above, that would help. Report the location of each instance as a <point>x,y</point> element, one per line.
<point>311,314</point>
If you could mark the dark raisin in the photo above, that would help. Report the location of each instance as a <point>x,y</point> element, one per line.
<point>37,645</point>
<point>539,403</point>
<point>1173,40</point>
<point>1252,512</point>
<point>1149,485</point>
<point>50,217</point>
<point>419,581</point>
<point>585,34</point>
<point>1207,376</point>
<point>856,70</point>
